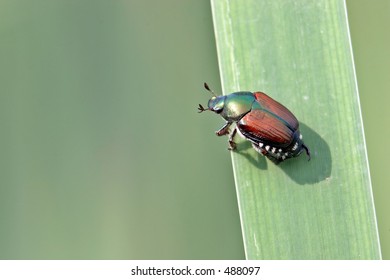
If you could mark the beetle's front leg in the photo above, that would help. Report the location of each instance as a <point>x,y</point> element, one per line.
<point>232,144</point>
<point>224,130</point>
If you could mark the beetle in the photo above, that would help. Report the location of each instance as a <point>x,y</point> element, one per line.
<point>271,128</point>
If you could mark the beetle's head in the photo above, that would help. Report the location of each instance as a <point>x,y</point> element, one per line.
<point>216,103</point>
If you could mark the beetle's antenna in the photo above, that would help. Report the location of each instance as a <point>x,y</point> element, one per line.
<point>201,108</point>
<point>206,86</point>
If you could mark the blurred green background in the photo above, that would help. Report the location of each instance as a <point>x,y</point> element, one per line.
<point>103,154</point>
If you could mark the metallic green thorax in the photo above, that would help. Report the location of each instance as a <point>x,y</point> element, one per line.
<point>234,106</point>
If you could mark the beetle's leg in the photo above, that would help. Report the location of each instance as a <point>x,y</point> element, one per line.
<point>273,159</point>
<point>307,151</point>
<point>259,150</point>
<point>232,144</point>
<point>224,130</point>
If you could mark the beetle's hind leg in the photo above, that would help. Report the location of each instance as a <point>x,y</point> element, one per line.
<point>258,149</point>
<point>274,159</point>
<point>264,152</point>
<point>307,151</point>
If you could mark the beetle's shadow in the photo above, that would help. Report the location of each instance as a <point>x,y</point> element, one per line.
<point>299,169</point>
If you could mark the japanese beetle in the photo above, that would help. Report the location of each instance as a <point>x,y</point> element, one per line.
<point>271,128</point>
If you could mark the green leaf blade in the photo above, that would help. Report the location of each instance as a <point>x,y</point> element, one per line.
<point>299,53</point>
